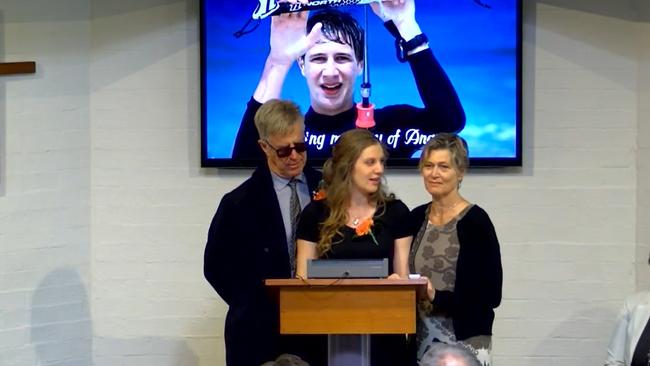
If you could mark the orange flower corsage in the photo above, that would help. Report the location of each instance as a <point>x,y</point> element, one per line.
<point>365,228</point>
<point>319,195</point>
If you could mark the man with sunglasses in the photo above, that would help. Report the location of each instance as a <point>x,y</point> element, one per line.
<point>251,238</point>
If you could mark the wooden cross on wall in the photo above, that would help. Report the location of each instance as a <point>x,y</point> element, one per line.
<point>14,68</point>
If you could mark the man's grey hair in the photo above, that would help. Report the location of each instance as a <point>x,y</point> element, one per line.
<point>439,354</point>
<point>287,360</point>
<point>277,118</point>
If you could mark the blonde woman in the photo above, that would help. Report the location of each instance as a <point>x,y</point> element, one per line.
<point>456,248</point>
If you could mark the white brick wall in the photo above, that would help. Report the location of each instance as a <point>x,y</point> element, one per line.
<point>643,155</point>
<point>45,186</point>
<point>102,189</point>
<point>151,202</point>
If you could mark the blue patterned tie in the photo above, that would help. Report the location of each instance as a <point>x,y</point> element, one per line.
<point>294,213</point>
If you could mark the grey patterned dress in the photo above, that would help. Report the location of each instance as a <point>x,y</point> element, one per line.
<point>435,256</point>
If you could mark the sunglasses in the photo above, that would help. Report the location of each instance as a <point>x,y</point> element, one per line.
<point>285,151</point>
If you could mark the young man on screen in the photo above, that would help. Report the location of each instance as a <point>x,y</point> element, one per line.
<point>251,239</point>
<point>329,50</point>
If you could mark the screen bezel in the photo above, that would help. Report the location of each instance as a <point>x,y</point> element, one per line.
<point>515,161</point>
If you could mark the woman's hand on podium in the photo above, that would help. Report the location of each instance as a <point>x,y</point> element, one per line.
<point>394,276</point>
<point>429,294</point>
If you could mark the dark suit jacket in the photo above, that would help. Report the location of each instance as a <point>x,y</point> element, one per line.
<point>246,245</point>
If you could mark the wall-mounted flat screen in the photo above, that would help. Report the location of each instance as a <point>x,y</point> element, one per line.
<point>468,80</point>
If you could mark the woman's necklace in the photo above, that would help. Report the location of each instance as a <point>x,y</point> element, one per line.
<point>360,215</point>
<point>441,214</point>
<point>447,208</point>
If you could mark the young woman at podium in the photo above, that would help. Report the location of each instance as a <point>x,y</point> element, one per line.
<point>353,217</point>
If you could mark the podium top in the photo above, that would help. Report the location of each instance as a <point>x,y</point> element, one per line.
<point>287,282</point>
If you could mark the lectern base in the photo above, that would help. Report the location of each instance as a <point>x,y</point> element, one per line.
<point>348,350</point>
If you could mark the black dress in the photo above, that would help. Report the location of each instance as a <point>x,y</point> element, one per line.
<point>390,223</point>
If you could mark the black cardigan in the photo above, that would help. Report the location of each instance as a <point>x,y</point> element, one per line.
<point>479,275</point>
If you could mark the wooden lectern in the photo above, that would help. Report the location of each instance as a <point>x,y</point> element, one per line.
<point>348,311</point>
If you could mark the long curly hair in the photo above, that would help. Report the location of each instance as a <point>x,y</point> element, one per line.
<point>337,180</point>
